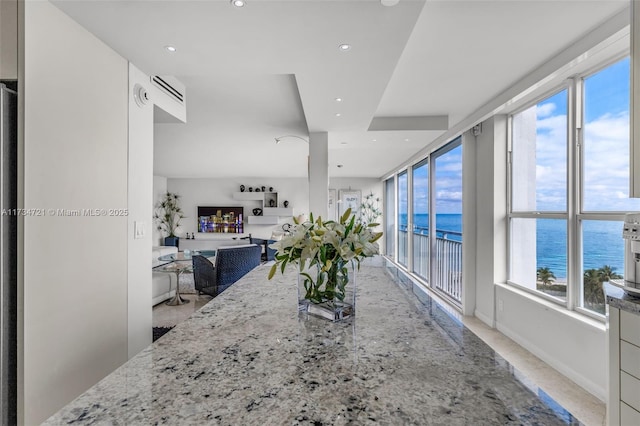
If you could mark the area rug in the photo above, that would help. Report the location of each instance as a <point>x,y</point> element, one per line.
<point>158,332</point>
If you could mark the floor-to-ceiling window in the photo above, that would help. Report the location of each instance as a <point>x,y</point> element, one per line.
<point>447,250</point>
<point>420,197</point>
<point>390,217</point>
<point>569,189</point>
<point>432,188</point>
<point>403,217</point>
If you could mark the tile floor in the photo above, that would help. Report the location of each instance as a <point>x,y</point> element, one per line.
<point>166,316</point>
<point>585,407</point>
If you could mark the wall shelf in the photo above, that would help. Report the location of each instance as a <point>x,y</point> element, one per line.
<point>277,211</point>
<point>262,220</point>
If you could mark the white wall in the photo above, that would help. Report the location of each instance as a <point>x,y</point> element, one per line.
<point>75,157</point>
<point>219,192</point>
<point>8,40</point>
<point>569,342</point>
<point>491,210</point>
<point>140,200</point>
<point>212,192</point>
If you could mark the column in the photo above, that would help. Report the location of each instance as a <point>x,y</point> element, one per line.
<point>319,174</point>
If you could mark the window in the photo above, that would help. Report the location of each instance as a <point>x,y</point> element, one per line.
<point>403,217</point>
<point>421,219</point>
<point>447,268</point>
<point>436,219</point>
<point>566,239</point>
<point>538,225</point>
<point>605,180</point>
<point>390,217</point>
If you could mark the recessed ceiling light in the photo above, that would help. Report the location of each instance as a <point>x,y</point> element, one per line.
<point>344,47</point>
<point>373,140</point>
<point>338,114</point>
<point>237,3</point>
<point>406,140</point>
<point>170,48</point>
<point>338,99</point>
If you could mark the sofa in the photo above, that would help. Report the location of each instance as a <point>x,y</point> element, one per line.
<point>231,264</point>
<point>163,284</point>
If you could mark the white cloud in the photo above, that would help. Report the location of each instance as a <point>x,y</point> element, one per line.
<point>545,110</point>
<point>449,195</point>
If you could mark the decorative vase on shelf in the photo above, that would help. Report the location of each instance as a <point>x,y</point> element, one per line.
<point>241,188</point>
<point>328,294</point>
<point>171,241</point>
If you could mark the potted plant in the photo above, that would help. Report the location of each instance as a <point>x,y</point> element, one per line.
<point>168,215</point>
<point>327,254</point>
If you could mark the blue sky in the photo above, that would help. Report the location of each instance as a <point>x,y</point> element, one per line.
<point>448,185</point>
<point>605,150</point>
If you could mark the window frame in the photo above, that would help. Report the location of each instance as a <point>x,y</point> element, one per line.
<point>575,215</point>
<point>539,214</point>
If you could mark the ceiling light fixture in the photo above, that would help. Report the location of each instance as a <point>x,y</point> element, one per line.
<point>338,99</point>
<point>279,138</point>
<point>338,114</point>
<point>170,48</point>
<point>237,3</point>
<point>344,47</point>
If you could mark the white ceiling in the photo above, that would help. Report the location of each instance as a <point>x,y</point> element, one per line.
<point>273,68</point>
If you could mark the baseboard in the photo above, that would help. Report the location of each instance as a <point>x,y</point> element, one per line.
<point>563,369</point>
<point>485,319</point>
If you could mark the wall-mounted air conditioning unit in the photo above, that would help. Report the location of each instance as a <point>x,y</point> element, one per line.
<point>169,97</point>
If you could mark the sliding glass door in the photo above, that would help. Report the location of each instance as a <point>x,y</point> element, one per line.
<point>403,217</point>
<point>447,245</point>
<point>421,219</point>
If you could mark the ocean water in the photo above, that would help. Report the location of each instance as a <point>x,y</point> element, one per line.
<point>602,241</point>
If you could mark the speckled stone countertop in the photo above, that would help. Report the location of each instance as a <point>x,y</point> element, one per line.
<point>617,298</point>
<point>247,358</point>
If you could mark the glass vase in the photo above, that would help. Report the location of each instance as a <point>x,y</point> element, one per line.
<point>329,294</point>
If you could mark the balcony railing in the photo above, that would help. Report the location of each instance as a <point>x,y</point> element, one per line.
<point>447,259</point>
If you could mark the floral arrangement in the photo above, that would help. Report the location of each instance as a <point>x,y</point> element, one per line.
<point>168,214</point>
<point>329,246</point>
<point>370,209</point>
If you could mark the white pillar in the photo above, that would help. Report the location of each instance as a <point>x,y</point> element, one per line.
<point>319,174</point>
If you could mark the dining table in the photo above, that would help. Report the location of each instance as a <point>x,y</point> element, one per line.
<point>249,357</point>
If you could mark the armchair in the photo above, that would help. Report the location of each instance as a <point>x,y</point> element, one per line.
<point>231,264</point>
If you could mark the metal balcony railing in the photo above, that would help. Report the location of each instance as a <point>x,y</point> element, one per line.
<point>447,271</point>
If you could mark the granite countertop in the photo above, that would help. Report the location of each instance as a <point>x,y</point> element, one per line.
<point>618,298</point>
<point>249,358</point>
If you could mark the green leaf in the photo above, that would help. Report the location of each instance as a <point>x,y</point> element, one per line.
<point>273,270</point>
<point>345,216</point>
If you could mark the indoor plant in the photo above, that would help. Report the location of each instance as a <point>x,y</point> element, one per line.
<point>327,254</point>
<point>168,215</point>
